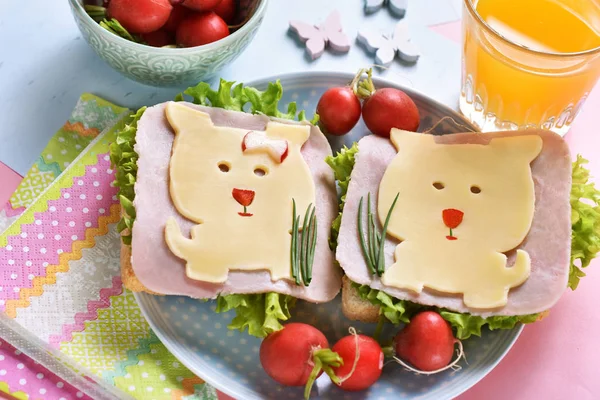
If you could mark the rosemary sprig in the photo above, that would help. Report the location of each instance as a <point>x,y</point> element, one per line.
<point>304,242</point>
<point>374,243</point>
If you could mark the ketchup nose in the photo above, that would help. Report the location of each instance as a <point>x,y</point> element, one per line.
<point>452,217</point>
<point>244,197</point>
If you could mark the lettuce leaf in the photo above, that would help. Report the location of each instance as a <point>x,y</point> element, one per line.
<point>585,220</point>
<point>465,325</point>
<point>260,314</point>
<point>124,161</point>
<point>342,164</point>
<point>585,245</point>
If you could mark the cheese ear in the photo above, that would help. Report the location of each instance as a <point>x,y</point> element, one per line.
<point>296,134</point>
<point>524,147</point>
<point>399,138</point>
<point>180,116</point>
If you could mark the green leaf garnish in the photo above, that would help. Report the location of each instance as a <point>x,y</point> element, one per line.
<point>258,313</point>
<point>342,164</point>
<point>585,221</point>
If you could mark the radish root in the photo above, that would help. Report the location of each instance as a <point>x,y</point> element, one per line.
<point>356,357</point>
<point>453,365</point>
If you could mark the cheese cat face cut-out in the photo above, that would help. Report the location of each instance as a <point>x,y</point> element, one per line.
<point>237,186</point>
<point>460,207</point>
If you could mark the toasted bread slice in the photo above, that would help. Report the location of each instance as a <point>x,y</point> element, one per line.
<point>354,307</point>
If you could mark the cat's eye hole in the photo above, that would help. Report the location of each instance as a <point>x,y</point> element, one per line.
<point>475,189</point>
<point>224,166</point>
<point>261,170</point>
<point>438,185</point>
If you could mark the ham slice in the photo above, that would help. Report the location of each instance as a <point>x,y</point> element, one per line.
<point>548,241</point>
<point>161,272</point>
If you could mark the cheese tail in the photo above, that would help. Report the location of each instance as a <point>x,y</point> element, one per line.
<point>178,244</point>
<point>521,270</point>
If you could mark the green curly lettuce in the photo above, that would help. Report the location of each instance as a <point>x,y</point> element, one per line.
<point>260,314</point>
<point>342,164</point>
<point>585,245</point>
<point>124,159</point>
<point>465,325</point>
<point>585,220</point>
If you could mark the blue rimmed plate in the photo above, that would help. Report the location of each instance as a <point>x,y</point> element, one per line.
<point>229,360</point>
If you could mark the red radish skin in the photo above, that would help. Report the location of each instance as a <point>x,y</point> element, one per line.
<point>369,364</point>
<point>177,15</point>
<point>389,108</point>
<point>200,5</point>
<point>200,29</point>
<point>426,342</point>
<point>226,10</point>
<point>286,355</point>
<point>339,110</point>
<point>140,16</point>
<point>159,38</point>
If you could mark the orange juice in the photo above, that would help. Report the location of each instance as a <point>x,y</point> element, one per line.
<point>528,62</point>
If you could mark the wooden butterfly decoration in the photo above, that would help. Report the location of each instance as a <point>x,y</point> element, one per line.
<point>397,7</point>
<point>317,37</point>
<point>386,47</point>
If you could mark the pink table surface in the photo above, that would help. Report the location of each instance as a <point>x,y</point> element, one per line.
<point>555,358</point>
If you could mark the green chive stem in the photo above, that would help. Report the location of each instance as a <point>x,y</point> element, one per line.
<point>304,244</point>
<point>362,237</point>
<point>313,245</point>
<point>380,256</point>
<point>294,245</point>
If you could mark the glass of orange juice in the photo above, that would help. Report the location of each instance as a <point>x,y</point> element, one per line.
<point>528,63</point>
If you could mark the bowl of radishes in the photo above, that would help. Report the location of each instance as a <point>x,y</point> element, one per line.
<point>168,43</point>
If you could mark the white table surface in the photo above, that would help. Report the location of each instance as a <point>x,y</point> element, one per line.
<point>45,64</point>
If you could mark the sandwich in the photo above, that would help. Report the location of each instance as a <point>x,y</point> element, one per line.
<point>218,203</point>
<point>487,229</point>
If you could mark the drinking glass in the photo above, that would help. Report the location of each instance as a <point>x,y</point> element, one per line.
<point>521,71</point>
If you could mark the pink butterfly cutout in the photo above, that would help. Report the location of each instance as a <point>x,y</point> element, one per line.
<point>319,36</point>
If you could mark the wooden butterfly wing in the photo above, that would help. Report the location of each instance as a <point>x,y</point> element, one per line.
<point>332,30</point>
<point>372,6</point>
<point>303,30</point>
<point>377,43</point>
<point>407,50</point>
<point>315,42</point>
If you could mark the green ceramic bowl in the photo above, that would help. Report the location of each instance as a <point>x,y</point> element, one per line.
<point>164,66</point>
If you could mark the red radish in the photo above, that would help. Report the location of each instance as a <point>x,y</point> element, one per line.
<point>389,108</point>
<point>199,29</point>
<point>276,148</point>
<point>177,15</point>
<point>140,16</point>
<point>426,342</point>
<point>368,365</point>
<point>339,110</point>
<point>226,10</point>
<point>158,38</point>
<point>296,355</point>
<point>198,5</point>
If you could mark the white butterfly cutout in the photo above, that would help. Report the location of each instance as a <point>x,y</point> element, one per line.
<point>397,7</point>
<point>386,47</point>
<point>318,36</point>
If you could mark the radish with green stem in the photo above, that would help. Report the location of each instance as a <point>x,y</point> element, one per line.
<point>297,355</point>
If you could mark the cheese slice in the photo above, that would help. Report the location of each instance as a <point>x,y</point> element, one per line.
<point>460,207</point>
<point>240,200</point>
